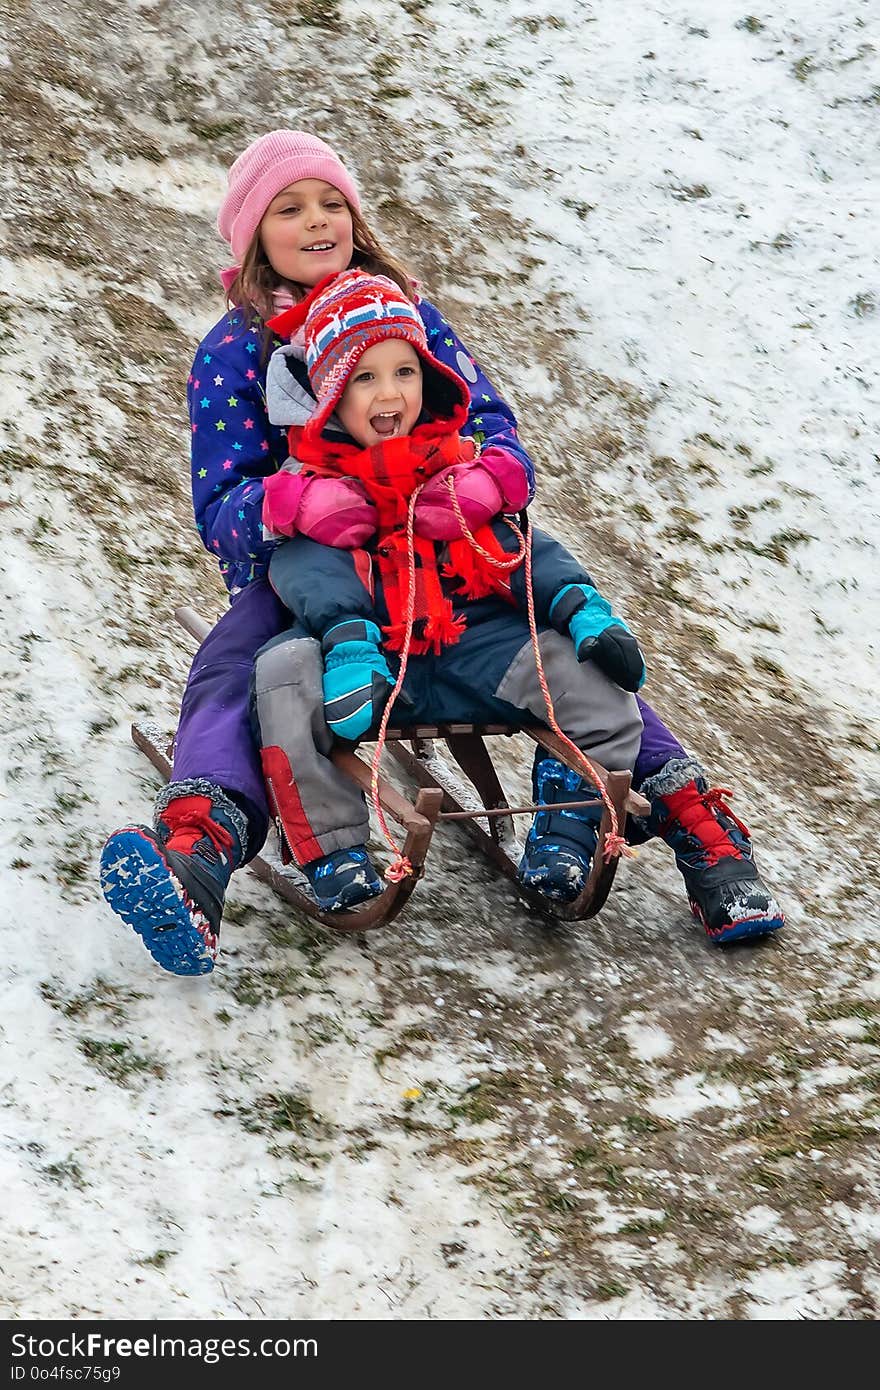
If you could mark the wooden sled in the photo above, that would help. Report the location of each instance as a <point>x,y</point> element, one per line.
<point>482,809</point>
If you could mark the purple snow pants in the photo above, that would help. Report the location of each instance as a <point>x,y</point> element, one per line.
<point>215,739</point>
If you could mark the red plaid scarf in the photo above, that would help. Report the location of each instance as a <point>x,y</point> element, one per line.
<point>390,472</point>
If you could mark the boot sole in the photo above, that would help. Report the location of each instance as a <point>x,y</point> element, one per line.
<point>141,887</point>
<point>352,896</point>
<point>549,890</point>
<point>740,930</point>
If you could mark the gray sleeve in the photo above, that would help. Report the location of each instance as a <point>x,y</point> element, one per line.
<point>287,403</point>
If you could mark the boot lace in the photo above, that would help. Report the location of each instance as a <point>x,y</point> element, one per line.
<point>699,818</point>
<point>194,827</point>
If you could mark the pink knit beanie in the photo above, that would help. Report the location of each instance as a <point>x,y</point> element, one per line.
<point>266,167</point>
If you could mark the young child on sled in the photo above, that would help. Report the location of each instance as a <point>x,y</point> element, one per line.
<point>386,428</point>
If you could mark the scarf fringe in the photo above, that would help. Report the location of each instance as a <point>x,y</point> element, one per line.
<point>436,632</point>
<point>478,580</point>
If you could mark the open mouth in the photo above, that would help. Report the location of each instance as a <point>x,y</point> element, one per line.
<point>319,246</point>
<point>387,424</point>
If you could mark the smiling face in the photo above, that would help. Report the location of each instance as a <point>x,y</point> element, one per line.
<point>307,232</point>
<point>383,397</point>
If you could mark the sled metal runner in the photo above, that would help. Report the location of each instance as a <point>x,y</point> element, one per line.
<point>439,798</point>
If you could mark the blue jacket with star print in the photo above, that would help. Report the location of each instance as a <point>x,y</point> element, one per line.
<point>234,446</point>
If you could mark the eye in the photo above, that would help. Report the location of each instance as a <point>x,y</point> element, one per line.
<point>363,376</point>
<point>406,371</point>
<point>290,209</point>
<point>334,207</point>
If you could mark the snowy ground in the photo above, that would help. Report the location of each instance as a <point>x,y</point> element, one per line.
<point>655,224</point>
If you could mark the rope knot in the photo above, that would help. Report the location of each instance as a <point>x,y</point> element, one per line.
<point>615,846</point>
<point>400,869</point>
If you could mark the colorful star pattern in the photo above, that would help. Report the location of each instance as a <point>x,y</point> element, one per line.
<point>234,446</point>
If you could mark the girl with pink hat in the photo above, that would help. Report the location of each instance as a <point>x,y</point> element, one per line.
<point>292,217</point>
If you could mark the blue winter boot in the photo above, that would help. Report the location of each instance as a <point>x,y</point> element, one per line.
<point>169,884</point>
<point>561,844</point>
<point>343,879</point>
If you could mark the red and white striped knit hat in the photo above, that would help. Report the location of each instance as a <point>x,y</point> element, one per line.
<point>345,315</point>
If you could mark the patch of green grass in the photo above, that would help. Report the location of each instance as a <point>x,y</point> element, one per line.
<point>740,1070</point>
<point>610,1288</point>
<point>823,1133</point>
<point>647,1226</point>
<point>118,1061</point>
<point>65,1173</point>
<point>322,1029</point>
<point>559,1201</point>
<point>704,635</point>
<point>863,304</point>
<point>72,867</point>
<point>763,1176</point>
<point>483,1102</point>
<point>413,1034</point>
<point>690,193</point>
<point>643,1124</point>
<point>580,208</point>
<point>276,1111</point>
<point>845,1008</point>
<point>216,130</point>
<point>769,667</point>
<point>158,1259</point>
<point>613,1177</point>
<point>322,14</point>
<point>254,987</point>
<point>533,24</point>
<point>361,1148</point>
<point>101,994</point>
<point>781,542</point>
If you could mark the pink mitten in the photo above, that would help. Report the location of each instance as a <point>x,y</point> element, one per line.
<point>282,494</point>
<point>336,511</point>
<point>509,474</point>
<point>479,498</point>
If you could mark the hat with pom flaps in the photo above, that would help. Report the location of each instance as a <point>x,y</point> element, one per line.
<point>344,316</point>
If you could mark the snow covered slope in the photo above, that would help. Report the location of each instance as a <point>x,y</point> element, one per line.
<point>655,224</point>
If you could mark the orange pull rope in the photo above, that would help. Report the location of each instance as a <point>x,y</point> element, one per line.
<point>400,867</point>
<point>615,844</point>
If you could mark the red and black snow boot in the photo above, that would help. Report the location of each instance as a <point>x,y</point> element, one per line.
<point>713,850</point>
<point>169,884</point>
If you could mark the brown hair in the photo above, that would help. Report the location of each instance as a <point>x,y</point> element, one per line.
<point>252,288</point>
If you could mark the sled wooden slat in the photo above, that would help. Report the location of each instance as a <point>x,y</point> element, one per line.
<point>429,731</point>
<point>531,810</point>
<point>392,801</point>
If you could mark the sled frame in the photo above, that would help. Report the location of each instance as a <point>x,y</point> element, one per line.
<point>437,798</point>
